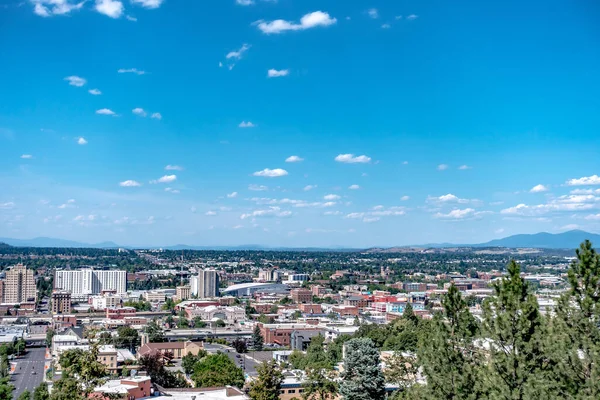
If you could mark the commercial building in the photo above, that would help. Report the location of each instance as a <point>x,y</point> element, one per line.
<point>155,296</point>
<point>61,302</point>
<point>104,302</point>
<point>19,286</point>
<point>268,275</point>
<point>297,278</point>
<point>281,334</point>
<point>205,284</point>
<point>301,295</point>
<point>248,289</point>
<point>86,282</point>
<point>177,349</point>
<point>183,293</point>
<point>230,315</point>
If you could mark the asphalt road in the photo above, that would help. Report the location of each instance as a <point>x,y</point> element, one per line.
<point>246,361</point>
<point>23,378</point>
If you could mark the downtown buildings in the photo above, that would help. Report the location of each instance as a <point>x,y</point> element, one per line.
<point>86,282</point>
<point>18,286</point>
<point>205,284</point>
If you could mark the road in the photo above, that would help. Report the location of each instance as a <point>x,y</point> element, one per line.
<point>23,378</point>
<point>246,361</point>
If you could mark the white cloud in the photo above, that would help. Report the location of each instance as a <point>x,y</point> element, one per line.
<point>130,18</point>
<point>165,179</point>
<point>569,227</point>
<point>257,188</point>
<point>237,227</point>
<point>156,116</point>
<point>48,8</point>
<point>447,198</point>
<point>271,173</point>
<point>174,168</point>
<point>210,213</point>
<point>81,141</point>
<point>27,156</point>
<point>237,54</point>
<point>130,183</point>
<point>499,230</point>
<point>585,181</point>
<point>232,195</point>
<point>331,197</point>
<point>274,73</point>
<point>332,213</point>
<point>69,204</point>
<point>148,3</point>
<point>458,214</point>
<point>111,8</point>
<point>95,92</point>
<point>294,159</point>
<point>398,17</point>
<point>353,187</point>
<point>442,167</point>
<point>311,20</point>
<point>139,111</point>
<point>105,111</point>
<point>244,2</point>
<point>568,203</point>
<point>405,163</point>
<point>386,26</point>
<point>131,71</point>
<point>309,187</point>
<point>412,17</point>
<point>171,190</point>
<point>270,212</point>
<point>585,191</point>
<point>371,219</point>
<point>247,124</point>
<point>355,215</point>
<point>351,159</point>
<point>7,206</point>
<point>75,81</point>
<point>405,198</point>
<point>538,189</point>
<point>593,217</point>
<point>373,13</point>
<point>464,167</point>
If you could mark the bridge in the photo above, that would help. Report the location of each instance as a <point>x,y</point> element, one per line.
<point>203,334</point>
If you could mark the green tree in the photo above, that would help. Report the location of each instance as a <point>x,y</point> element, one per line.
<point>267,384</point>
<point>189,361</point>
<point>513,324</point>
<point>6,389</point>
<point>155,332</point>
<point>319,385</point>
<point>49,335</point>
<point>20,346</point>
<point>41,392</point>
<point>127,337</point>
<point>362,378</point>
<point>25,395</point>
<point>574,341</point>
<point>258,339</point>
<point>217,370</point>
<point>198,323</point>
<point>220,323</point>
<point>154,365</point>
<point>239,345</point>
<point>316,358</point>
<point>447,354</point>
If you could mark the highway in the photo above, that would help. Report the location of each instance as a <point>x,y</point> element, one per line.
<point>23,378</point>
<point>194,334</point>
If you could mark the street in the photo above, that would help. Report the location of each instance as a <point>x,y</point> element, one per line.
<point>246,361</point>
<point>23,378</point>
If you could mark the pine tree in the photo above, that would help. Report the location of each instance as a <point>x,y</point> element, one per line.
<point>362,376</point>
<point>258,339</point>
<point>513,324</point>
<point>447,354</point>
<point>575,340</point>
<point>267,384</point>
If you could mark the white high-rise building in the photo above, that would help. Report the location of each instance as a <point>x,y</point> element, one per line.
<point>205,284</point>
<point>87,282</point>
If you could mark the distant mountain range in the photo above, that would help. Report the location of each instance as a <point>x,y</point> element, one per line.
<point>564,240</point>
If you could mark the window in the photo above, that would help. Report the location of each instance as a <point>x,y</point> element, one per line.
<point>292,391</point>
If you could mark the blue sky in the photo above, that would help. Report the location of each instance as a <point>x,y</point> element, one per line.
<point>157,122</point>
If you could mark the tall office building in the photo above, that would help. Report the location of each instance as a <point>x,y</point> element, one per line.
<point>206,284</point>
<point>86,282</point>
<point>19,285</point>
<point>61,302</point>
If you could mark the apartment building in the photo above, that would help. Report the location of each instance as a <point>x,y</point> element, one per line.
<point>61,302</point>
<point>86,282</point>
<point>19,286</point>
<point>205,284</point>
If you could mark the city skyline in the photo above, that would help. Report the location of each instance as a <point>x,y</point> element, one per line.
<point>285,123</point>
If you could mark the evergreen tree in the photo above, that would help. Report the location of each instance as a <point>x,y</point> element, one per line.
<point>362,376</point>
<point>155,332</point>
<point>315,354</point>
<point>258,339</point>
<point>217,370</point>
<point>575,337</point>
<point>447,354</point>
<point>513,324</point>
<point>267,384</point>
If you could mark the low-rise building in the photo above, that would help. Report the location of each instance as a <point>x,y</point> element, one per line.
<point>177,349</point>
<point>281,334</point>
<point>231,315</point>
<point>301,295</point>
<point>131,388</point>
